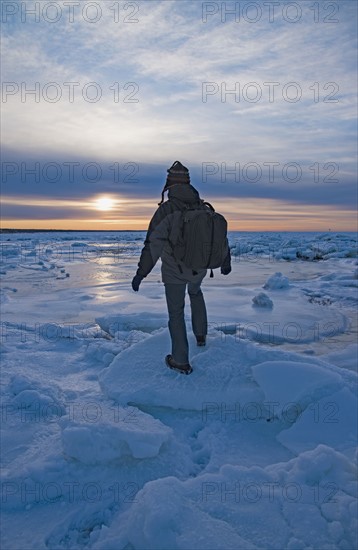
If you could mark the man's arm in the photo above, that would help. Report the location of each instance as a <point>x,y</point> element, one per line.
<point>157,235</point>
<point>226,265</point>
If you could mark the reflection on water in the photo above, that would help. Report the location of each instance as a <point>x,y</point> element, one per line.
<point>80,289</point>
<point>104,271</point>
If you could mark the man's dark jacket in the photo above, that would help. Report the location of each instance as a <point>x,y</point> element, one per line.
<point>161,227</point>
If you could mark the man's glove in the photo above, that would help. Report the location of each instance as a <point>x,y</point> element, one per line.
<point>137,279</point>
<point>225,270</point>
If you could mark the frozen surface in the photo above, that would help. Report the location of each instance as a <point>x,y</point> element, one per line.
<point>139,437</point>
<point>103,447</point>
<point>262,300</point>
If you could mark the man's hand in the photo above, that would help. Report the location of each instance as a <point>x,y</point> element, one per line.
<point>225,270</point>
<point>137,279</point>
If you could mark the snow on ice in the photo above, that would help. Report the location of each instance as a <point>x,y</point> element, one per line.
<point>262,300</point>
<point>105,448</point>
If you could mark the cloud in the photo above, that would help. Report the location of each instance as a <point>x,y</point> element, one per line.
<point>75,178</point>
<point>150,69</point>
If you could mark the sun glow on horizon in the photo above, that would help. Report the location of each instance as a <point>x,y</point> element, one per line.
<point>108,211</point>
<point>105,203</point>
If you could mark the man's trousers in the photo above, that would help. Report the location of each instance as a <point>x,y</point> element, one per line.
<point>175,296</point>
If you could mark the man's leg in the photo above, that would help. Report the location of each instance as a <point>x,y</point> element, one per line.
<point>175,296</point>
<point>199,320</point>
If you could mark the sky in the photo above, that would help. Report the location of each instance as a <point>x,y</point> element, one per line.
<point>257,99</point>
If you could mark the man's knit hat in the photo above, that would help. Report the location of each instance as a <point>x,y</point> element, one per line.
<point>177,173</point>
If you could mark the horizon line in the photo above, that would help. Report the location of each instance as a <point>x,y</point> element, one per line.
<point>39,230</point>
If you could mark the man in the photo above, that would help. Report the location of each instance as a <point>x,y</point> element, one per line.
<point>175,275</point>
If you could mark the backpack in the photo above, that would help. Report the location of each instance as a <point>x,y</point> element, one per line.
<point>199,240</point>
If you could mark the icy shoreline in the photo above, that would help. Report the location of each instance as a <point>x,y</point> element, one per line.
<point>105,448</point>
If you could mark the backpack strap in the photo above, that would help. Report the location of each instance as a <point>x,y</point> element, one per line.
<point>213,210</point>
<point>209,205</point>
<point>179,207</point>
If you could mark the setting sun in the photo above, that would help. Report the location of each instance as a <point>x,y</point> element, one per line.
<point>104,203</point>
